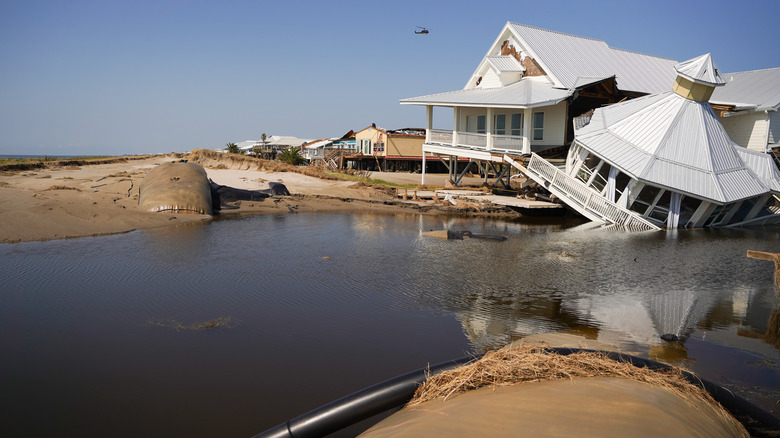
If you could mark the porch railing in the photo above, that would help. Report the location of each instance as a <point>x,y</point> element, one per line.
<point>471,139</point>
<point>441,136</point>
<point>505,143</point>
<point>511,143</point>
<point>575,193</point>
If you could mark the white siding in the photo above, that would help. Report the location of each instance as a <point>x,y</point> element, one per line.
<point>490,80</point>
<point>554,125</point>
<point>774,127</point>
<point>747,130</point>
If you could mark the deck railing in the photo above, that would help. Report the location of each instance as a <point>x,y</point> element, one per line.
<point>471,139</point>
<point>504,143</point>
<point>509,143</point>
<point>581,198</point>
<point>441,136</point>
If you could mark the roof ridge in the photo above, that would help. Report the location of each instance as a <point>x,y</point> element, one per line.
<point>640,53</point>
<point>559,33</point>
<point>751,71</point>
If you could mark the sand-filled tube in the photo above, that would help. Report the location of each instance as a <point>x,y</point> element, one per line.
<point>395,392</point>
<point>178,187</point>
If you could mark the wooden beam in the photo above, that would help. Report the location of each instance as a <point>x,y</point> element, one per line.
<point>772,257</point>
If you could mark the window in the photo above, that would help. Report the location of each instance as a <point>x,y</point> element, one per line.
<point>475,124</point>
<point>538,126</point>
<point>517,124</point>
<point>500,124</point>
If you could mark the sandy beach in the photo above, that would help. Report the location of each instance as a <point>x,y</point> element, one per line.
<point>76,200</point>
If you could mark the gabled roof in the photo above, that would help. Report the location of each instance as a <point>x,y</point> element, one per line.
<point>527,93</point>
<point>568,57</point>
<point>670,141</point>
<point>505,64</point>
<point>756,90</point>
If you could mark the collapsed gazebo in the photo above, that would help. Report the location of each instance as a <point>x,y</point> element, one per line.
<point>667,158</point>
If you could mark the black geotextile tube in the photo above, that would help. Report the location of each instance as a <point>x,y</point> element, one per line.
<point>358,406</point>
<point>397,391</point>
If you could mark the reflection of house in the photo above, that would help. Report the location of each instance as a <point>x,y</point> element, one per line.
<point>383,149</point>
<point>529,86</point>
<point>749,108</point>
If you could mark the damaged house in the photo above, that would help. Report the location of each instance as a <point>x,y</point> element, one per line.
<point>653,155</point>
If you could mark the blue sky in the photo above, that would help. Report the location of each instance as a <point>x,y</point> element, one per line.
<point>132,77</point>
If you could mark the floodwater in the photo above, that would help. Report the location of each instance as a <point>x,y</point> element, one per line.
<point>230,328</point>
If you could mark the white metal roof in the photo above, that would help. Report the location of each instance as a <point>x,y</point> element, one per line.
<point>505,64</point>
<point>527,93</point>
<point>758,90</point>
<point>701,70</point>
<point>670,141</point>
<point>568,57</point>
<point>319,144</point>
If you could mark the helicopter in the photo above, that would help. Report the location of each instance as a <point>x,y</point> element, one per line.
<point>422,31</point>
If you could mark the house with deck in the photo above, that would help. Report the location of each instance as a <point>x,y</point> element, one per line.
<point>388,149</point>
<point>526,91</point>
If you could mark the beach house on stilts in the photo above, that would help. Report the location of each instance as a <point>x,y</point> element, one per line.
<point>645,148</point>
<point>524,94</point>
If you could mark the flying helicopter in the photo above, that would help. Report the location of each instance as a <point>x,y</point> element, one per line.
<point>422,31</point>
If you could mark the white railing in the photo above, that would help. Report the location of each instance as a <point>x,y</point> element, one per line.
<point>575,193</point>
<point>471,139</point>
<point>441,136</point>
<point>508,143</point>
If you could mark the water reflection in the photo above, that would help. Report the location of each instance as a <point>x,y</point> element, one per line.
<point>325,304</point>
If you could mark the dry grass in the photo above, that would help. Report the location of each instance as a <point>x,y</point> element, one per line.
<point>58,187</point>
<point>510,366</point>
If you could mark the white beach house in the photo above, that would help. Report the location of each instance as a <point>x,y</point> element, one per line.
<point>659,158</point>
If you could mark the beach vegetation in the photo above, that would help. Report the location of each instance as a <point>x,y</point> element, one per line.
<point>291,156</point>
<point>233,149</point>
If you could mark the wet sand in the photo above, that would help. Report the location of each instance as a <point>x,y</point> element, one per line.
<point>66,201</point>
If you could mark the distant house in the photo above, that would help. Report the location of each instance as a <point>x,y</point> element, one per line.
<point>330,152</point>
<point>748,107</point>
<point>271,146</point>
<point>388,150</point>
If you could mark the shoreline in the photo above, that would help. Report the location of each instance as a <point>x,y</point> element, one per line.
<point>71,198</point>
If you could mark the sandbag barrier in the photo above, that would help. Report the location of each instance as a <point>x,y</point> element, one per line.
<point>396,392</point>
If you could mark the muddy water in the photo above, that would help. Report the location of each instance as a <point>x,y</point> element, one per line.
<point>230,328</point>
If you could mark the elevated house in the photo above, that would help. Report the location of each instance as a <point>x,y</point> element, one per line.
<point>526,91</point>
<point>388,150</point>
<point>644,146</point>
<point>271,146</point>
<point>330,152</point>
